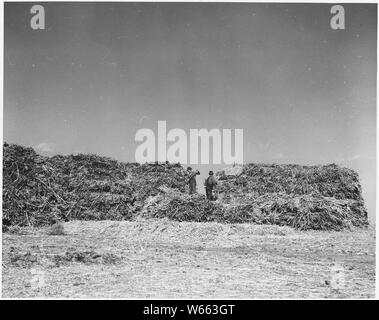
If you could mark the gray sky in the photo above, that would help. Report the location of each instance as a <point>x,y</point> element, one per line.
<point>302,92</point>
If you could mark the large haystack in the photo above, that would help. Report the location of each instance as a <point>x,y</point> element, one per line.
<point>259,179</point>
<point>40,190</point>
<point>303,212</point>
<point>305,197</point>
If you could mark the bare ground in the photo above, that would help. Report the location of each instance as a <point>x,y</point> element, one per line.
<point>167,259</point>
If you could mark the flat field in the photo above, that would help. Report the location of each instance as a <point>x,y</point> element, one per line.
<point>167,259</point>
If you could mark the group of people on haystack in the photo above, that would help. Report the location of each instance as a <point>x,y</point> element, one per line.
<point>210,183</point>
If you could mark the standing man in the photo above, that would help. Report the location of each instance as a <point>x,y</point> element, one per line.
<point>192,180</point>
<point>210,183</point>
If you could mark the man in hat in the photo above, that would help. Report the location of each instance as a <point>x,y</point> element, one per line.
<point>192,180</point>
<point>210,183</point>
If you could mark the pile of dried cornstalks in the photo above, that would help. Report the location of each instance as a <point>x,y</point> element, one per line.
<point>40,190</point>
<point>259,179</point>
<point>303,212</point>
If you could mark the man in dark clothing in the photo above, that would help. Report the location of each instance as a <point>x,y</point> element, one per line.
<point>210,183</point>
<point>192,180</point>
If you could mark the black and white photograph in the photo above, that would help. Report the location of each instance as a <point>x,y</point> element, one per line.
<point>189,150</point>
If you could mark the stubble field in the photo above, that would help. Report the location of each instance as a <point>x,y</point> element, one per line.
<point>166,259</point>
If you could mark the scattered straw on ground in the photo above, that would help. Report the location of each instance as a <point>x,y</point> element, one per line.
<point>161,258</point>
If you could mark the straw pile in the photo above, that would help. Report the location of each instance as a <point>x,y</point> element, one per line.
<point>182,207</point>
<point>40,190</point>
<point>302,212</point>
<point>305,197</point>
<point>259,179</point>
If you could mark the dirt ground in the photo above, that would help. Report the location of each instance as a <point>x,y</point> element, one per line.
<point>167,259</point>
